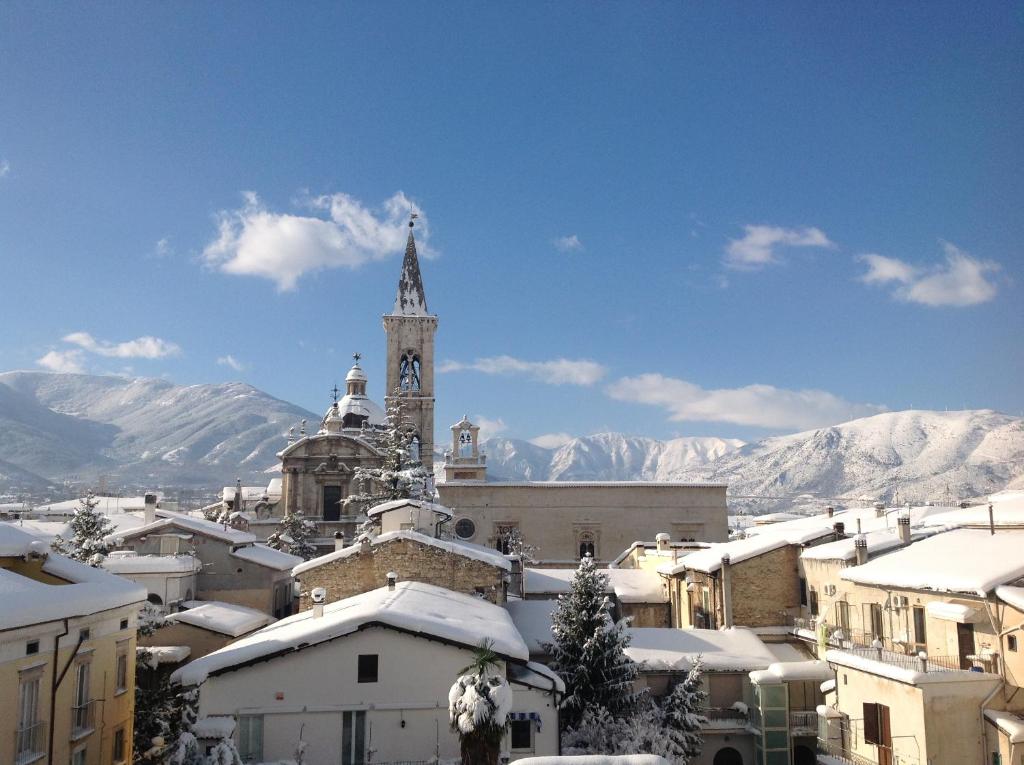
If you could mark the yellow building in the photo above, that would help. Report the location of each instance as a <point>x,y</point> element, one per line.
<point>67,657</point>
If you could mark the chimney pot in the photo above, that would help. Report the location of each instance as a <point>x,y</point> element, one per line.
<point>860,546</point>
<point>830,510</point>
<point>903,528</point>
<point>840,528</point>
<point>392,579</point>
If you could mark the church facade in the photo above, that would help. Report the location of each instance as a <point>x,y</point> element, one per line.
<point>563,521</point>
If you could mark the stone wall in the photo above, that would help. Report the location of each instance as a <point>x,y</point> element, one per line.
<point>765,586</point>
<point>411,560</point>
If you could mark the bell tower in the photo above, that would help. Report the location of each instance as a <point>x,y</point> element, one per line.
<point>410,330</point>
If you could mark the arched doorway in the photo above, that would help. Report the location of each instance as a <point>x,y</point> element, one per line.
<point>728,756</point>
<point>803,755</point>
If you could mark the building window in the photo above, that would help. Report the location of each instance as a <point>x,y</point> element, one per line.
<point>332,503</point>
<point>250,737</point>
<point>877,629</point>
<point>124,624</point>
<point>30,731</point>
<point>1011,642</point>
<point>588,545</point>
<point>803,591</point>
<point>121,669</point>
<point>813,593</point>
<point>843,617</point>
<point>367,668</point>
<point>79,756</point>
<point>83,634</point>
<point>504,534</point>
<point>465,528</point>
<point>919,626</point>
<point>409,372</point>
<point>81,717</point>
<point>522,735</point>
<point>31,647</point>
<point>119,749</point>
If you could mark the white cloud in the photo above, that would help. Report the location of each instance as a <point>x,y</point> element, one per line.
<point>960,281</point>
<point>62,361</point>
<point>555,372</point>
<point>551,440</point>
<point>5,168</point>
<point>146,347</point>
<point>568,243</point>
<point>282,247</point>
<point>489,428</point>
<point>762,406</point>
<point>163,248</point>
<point>231,361</point>
<point>757,247</point>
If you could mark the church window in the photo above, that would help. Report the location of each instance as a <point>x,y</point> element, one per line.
<point>588,545</point>
<point>504,534</point>
<point>414,448</point>
<point>465,528</point>
<point>332,503</point>
<point>409,372</point>
<point>586,549</point>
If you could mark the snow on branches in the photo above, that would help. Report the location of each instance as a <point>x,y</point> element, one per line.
<point>88,528</point>
<point>479,703</point>
<point>295,534</point>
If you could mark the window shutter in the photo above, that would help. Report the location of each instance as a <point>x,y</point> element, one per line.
<point>871,723</point>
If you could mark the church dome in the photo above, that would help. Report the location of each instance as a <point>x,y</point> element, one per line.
<point>355,374</point>
<point>352,406</point>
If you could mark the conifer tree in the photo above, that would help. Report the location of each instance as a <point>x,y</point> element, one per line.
<point>683,711</point>
<point>589,649</point>
<point>88,528</point>
<point>295,534</point>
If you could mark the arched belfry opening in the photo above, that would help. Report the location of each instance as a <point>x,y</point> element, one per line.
<point>409,375</point>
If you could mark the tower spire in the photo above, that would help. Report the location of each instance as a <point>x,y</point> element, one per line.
<point>411,300</point>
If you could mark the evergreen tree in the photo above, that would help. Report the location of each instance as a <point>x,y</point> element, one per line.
<point>401,474</point>
<point>589,649</point>
<point>478,707</point>
<point>683,711</point>
<point>295,534</point>
<point>155,709</point>
<point>88,529</point>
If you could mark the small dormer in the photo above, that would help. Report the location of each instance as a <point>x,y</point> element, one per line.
<point>465,462</point>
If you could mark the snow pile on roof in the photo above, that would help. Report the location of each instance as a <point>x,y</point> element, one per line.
<point>533,620</point>
<point>1007,510</point>
<point>171,522</point>
<point>879,541</point>
<point>225,618</point>
<point>535,675</point>
<point>1014,596</point>
<point>951,612</point>
<point>163,654</point>
<point>1010,723</point>
<point>739,550</point>
<point>267,557</point>
<point>637,585</point>
<point>104,505</point>
<point>551,581</point>
<point>791,671</point>
<point>216,726</point>
<point>963,560</point>
<point>868,518</point>
<point>596,759</point>
<point>730,650</point>
<point>126,562</point>
<point>909,676</point>
<point>787,652</point>
<point>413,607</point>
<point>249,493</point>
<point>396,504</point>
<point>45,530</point>
<point>475,552</point>
<point>88,590</point>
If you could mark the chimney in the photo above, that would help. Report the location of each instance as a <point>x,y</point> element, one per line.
<point>840,528</point>
<point>903,526</point>
<point>860,546</point>
<point>662,541</point>
<point>319,597</point>
<point>392,579</point>
<point>364,545</point>
<point>830,510</point>
<point>149,511</point>
<point>339,540</point>
<point>879,509</point>
<point>726,591</point>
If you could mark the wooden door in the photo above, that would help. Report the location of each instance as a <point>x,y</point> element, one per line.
<point>965,644</point>
<point>884,736</point>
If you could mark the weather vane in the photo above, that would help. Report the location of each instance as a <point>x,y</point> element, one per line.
<point>412,219</point>
<point>357,356</point>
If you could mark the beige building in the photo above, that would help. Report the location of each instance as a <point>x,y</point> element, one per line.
<point>67,657</point>
<point>205,627</point>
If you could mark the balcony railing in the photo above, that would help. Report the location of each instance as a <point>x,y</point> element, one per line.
<point>914,663</point>
<point>804,720</point>
<point>718,715</point>
<point>83,718</point>
<point>835,751</point>
<point>30,742</point>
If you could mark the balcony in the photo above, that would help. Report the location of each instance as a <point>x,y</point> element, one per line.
<point>83,719</point>
<point>30,743</point>
<point>719,717</point>
<point>853,758</point>
<point>916,663</point>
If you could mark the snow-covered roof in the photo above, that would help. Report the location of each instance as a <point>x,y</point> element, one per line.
<point>878,541</point>
<point>27,601</point>
<point>868,518</point>
<point>163,654</point>
<point>595,484</point>
<point>536,675</point>
<point>171,521</point>
<point>595,759</point>
<point>215,726</point>
<point>225,618</point>
<point>483,554</point>
<point>630,585</point>
<point>249,493</point>
<point>1007,510</point>
<point>413,607</point>
<point>899,674</point>
<point>127,562</point>
<point>396,504</point>
<point>739,550</point>
<point>791,671</point>
<point>104,505</point>
<point>533,620</point>
<point>1010,723</point>
<point>268,557</point>
<point>1011,595</point>
<point>786,652</point>
<point>729,650</point>
<point>963,560</point>
<point>45,530</point>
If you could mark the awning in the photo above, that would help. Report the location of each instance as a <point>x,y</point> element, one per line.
<point>952,612</point>
<point>526,716</point>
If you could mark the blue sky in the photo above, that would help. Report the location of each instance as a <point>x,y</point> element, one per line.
<point>662,219</point>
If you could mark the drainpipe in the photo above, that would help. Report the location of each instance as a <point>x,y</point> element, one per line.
<point>726,591</point>
<point>55,681</point>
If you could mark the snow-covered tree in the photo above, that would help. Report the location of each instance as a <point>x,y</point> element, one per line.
<point>683,711</point>
<point>478,706</point>
<point>88,528</point>
<point>156,709</point>
<point>183,749</point>
<point>295,534</point>
<point>401,474</point>
<point>588,649</point>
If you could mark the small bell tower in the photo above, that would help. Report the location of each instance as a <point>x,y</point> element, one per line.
<point>465,462</point>
<point>410,330</point>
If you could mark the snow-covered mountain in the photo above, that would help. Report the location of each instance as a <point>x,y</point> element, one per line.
<point>152,432</point>
<point>137,430</point>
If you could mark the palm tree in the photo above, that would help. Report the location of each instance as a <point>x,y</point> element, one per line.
<point>478,707</point>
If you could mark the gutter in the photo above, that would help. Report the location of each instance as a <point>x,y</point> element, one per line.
<point>56,681</point>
